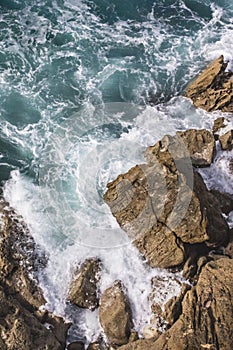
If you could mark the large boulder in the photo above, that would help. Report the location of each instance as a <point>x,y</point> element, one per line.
<point>164,205</point>
<point>115,315</point>
<point>212,89</point>
<point>83,290</point>
<point>206,321</point>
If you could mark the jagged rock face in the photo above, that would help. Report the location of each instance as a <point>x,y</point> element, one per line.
<point>216,226</point>
<point>22,325</point>
<point>207,317</point>
<point>226,140</point>
<point>212,89</point>
<point>84,286</point>
<point>206,321</point>
<point>99,345</point>
<point>115,315</point>
<point>162,205</point>
<point>219,123</point>
<point>201,146</point>
<point>17,254</point>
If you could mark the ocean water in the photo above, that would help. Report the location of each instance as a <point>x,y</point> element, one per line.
<point>85,87</point>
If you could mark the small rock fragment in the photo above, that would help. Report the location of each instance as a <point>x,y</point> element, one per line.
<point>226,140</point>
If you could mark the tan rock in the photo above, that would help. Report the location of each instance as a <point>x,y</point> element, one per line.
<point>83,290</point>
<point>173,308</point>
<point>226,140</point>
<point>115,315</point>
<point>212,89</point>
<point>22,325</point>
<point>207,317</point>
<point>201,146</point>
<point>150,331</point>
<point>163,204</point>
<point>206,321</point>
<point>219,123</point>
<point>141,344</point>
<point>99,344</point>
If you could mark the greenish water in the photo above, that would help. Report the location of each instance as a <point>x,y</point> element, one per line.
<point>85,86</point>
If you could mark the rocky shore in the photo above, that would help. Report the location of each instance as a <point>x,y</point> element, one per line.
<point>175,222</point>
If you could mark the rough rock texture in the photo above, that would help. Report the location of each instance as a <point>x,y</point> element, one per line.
<point>219,123</point>
<point>173,308</point>
<point>115,315</point>
<point>201,146</point>
<point>226,140</point>
<point>206,321</point>
<point>216,227</point>
<point>229,247</point>
<point>22,325</point>
<point>98,345</point>
<point>84,286</point>
<point>163,205</point>
<point>225,201</point>
<point>142,344</point>
<point>212,89</point>
<point>78,345</point>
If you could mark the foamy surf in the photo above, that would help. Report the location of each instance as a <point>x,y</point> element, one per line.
<point>61,63</point>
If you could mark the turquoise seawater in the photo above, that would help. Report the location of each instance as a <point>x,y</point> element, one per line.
<point>85,86</point>
<point>57,55</point>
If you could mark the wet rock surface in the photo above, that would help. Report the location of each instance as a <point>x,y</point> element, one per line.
<point>200,145</point>
<point>219,123</point>
<point>212,89</point>
<point>172,218</point>
<point>207,317</point>
<point>206,320</point>
<point>164,204</point>
<point>201,316</point>
<point>226,140</point>
<point>84,286</point>
<point>22,325</point>
<point>78,345</point>
<point>98,345</point>
<point>115,315</point>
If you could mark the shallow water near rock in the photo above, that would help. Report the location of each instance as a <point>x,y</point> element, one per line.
<point>85,87</point>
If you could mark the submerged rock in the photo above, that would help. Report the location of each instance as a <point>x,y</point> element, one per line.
<point>84,286</point>
<point>115,315</point>
<point>164,205</point>
<point>213,88</point>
